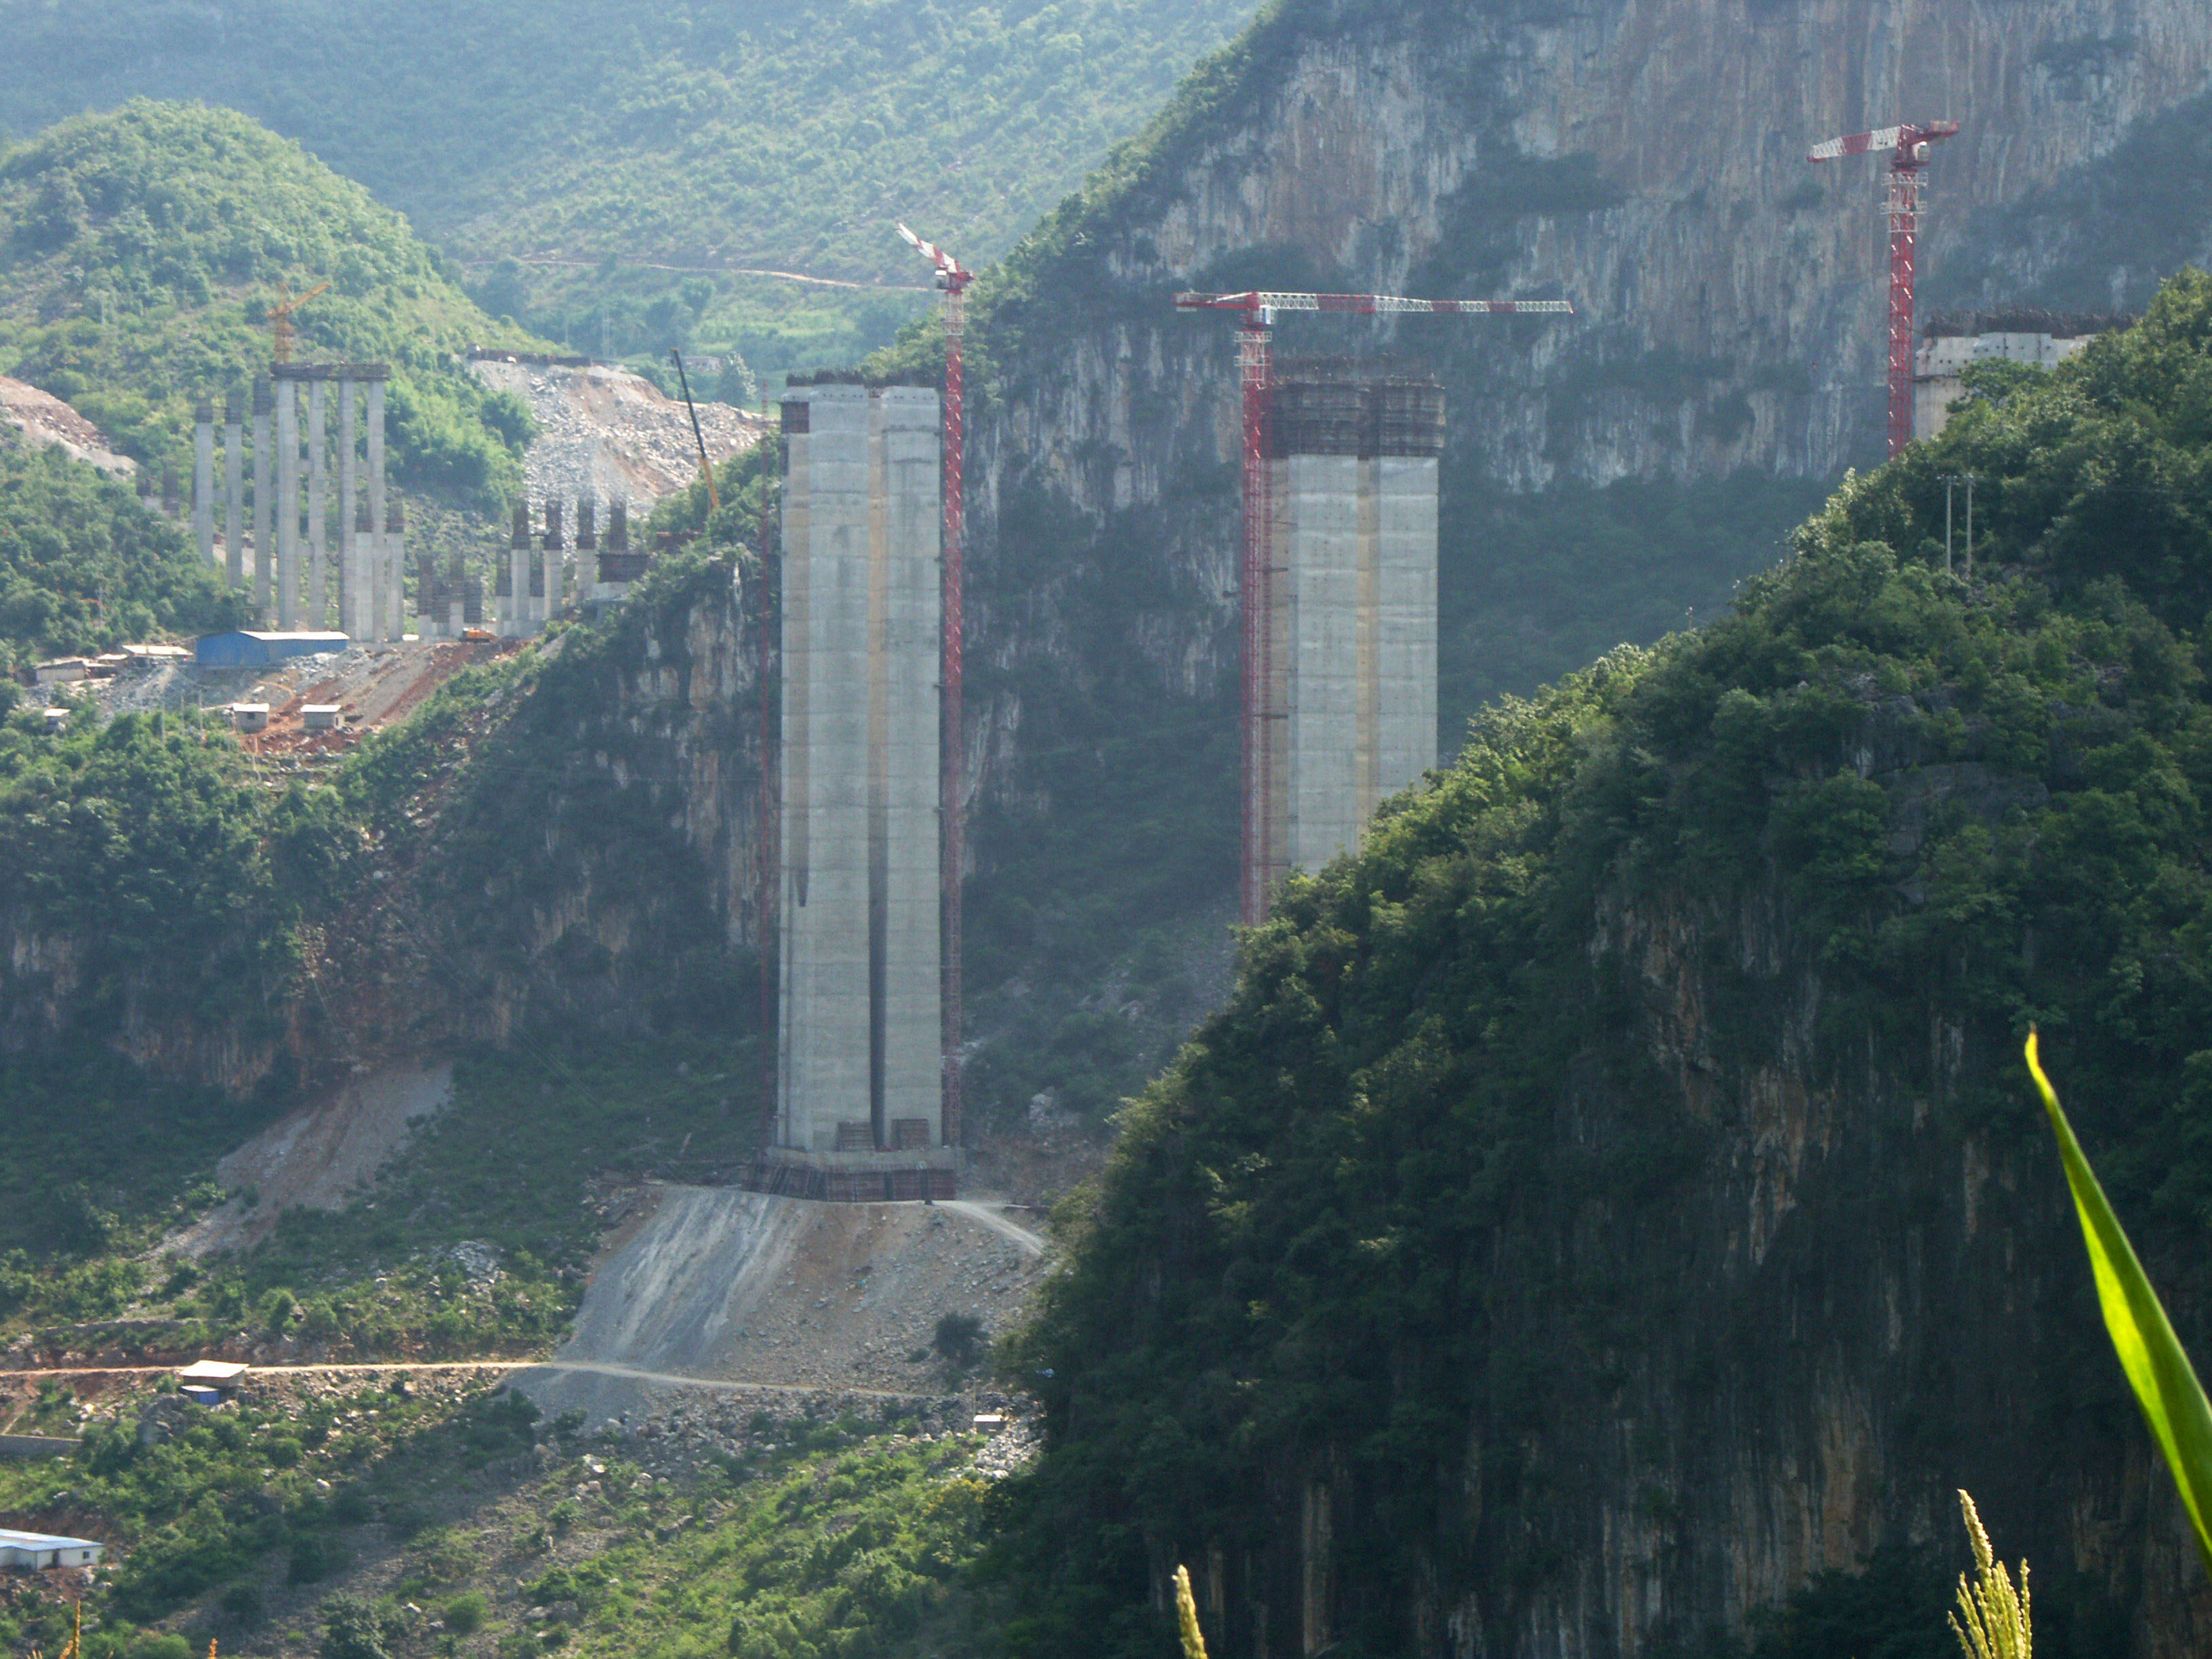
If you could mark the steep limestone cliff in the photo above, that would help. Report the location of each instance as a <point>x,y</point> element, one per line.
<point>1646,159</point>
<point>597,866</point>
<point>1643,158</point>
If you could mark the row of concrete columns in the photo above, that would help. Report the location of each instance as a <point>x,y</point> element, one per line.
<point>532,583</point>
<point>300,579</point>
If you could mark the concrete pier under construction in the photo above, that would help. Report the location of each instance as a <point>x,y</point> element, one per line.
<point>1350,675</point>
<point>858,1013</point>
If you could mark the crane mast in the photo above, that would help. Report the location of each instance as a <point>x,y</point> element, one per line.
<point>1908,147</point>
<point>1255,313</point>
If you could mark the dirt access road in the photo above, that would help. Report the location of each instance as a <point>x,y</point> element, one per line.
<point>705,1287</point>
<point>400,1366</point>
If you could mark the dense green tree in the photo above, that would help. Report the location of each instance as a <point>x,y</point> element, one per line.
<point>1352,1212</point>
<point>84,566</point>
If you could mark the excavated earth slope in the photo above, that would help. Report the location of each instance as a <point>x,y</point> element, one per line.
<point>718,1285</point>
<point>613,435</point>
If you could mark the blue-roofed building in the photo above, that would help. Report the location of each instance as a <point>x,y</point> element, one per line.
<point>251,648</point>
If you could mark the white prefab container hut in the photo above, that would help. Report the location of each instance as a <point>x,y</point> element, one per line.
<point>35,1550</point>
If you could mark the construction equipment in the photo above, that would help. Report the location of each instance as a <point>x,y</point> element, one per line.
<point>1907,146</point>
<point>280,317</point>
<point>1255,313</point>
<point>954,278</point>
<point>706,471</point>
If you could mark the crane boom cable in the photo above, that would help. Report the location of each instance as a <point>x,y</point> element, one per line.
<point>706,471</point>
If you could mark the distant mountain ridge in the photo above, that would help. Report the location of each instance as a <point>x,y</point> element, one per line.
<point>760,134</point>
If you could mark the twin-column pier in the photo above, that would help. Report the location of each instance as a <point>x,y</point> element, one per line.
<point>860,1014</point>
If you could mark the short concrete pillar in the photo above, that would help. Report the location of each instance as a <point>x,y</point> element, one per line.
<point>353,589</point>
<point>554,548</point>
<point>265,484</point>
<point>288,504</point>
<point>386,534</point>
<point>515,576</point>
<point>362,546</point>
<point>587,550</point>
<point>318,603</point>
<point>171,495</point>
<point>234,493</point>
<point>203,480</point>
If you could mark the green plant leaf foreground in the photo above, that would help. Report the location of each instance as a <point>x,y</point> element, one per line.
<point>2157,1370</point>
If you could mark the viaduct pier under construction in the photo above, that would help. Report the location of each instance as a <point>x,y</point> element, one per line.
<point>859,1103</point>
<point>1349,676</point>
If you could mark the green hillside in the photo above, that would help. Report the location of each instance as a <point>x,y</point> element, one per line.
<point>662,150</point>
<point>1438,1210</point>
<point>143,247</point>
<point>85,566</point>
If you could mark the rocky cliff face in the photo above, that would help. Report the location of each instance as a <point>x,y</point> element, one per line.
<point>602,869</point>
<point>1643,158</point>
<point>1880,1303</point>
<point>1853,1307</point>
<point>577,850</point>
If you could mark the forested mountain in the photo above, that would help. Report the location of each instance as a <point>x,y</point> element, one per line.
<point>1614,1195</point>
<point>658,150</point>
<point>143,247</point>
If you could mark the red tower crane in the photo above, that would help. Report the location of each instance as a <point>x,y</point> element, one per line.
<point>953,278</point>
<point>1908,153</point>
<point>1256,314</point>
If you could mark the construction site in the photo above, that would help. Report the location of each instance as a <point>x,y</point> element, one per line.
<point>859,631</point>
<point>860,623</point>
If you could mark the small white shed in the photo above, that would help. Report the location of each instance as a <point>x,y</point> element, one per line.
<point>250,716</point>
<point>224,1374</point>
<point>319,716</point>
<point>38,1550</point>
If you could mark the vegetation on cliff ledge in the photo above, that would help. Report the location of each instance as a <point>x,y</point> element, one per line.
<point>1402,1211</point>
